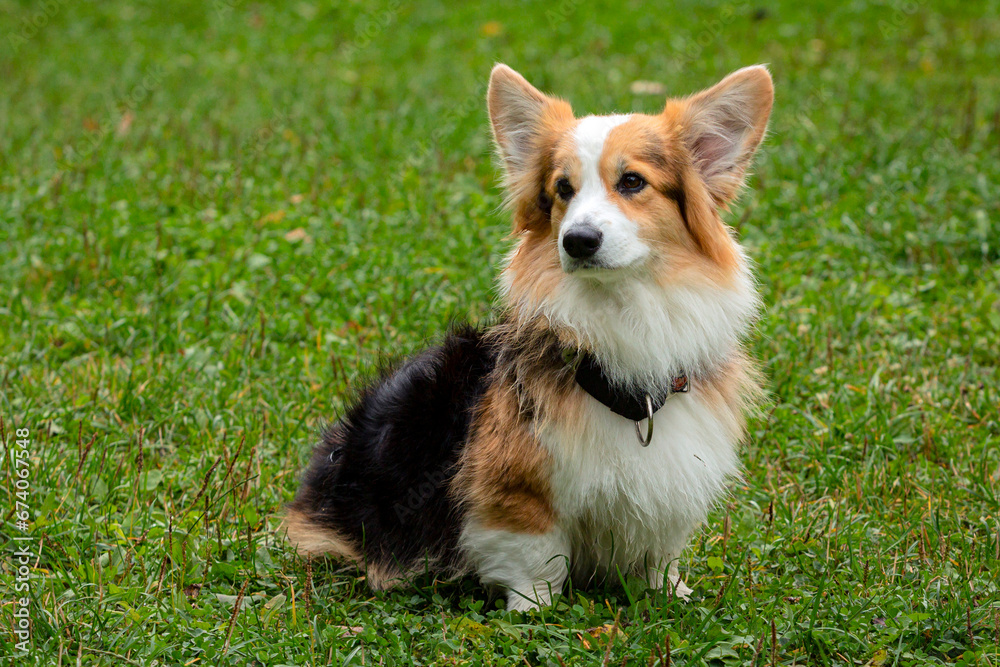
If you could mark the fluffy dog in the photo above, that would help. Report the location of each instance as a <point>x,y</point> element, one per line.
<point>593,427</point>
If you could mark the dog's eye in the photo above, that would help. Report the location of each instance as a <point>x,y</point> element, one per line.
<point>564,189</point>
<point>630,183</point>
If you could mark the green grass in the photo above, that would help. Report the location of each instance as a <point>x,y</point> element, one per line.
<point>216,218</point>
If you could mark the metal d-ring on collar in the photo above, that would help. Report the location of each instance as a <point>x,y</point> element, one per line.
<point>649,424</point>
<point>678,385</point>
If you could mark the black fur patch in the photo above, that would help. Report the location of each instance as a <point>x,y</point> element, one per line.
<point>545,202</point>
<point>381,476</point>
<point>678,195</point>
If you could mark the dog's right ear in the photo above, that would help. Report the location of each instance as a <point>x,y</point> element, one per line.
<point>521,117</point>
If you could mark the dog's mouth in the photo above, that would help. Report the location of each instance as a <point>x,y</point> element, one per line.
<point>596,269</point>
<point>584,265</point>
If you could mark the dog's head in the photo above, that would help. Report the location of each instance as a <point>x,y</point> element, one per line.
<point>604,204</point>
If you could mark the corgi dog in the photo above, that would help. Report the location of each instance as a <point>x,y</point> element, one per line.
<point>590,429</point>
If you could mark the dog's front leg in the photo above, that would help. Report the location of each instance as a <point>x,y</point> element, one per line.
<point>532,568</point>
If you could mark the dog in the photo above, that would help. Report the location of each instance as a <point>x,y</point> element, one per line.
<point>590,429</point>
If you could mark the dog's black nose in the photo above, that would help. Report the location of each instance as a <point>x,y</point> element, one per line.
<point>582,241</point>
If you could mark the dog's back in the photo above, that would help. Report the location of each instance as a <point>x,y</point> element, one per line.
<point>377,489</point>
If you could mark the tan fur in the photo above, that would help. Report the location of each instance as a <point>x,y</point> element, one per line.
<point>382,578</point>
<point>503,476</point>
<point>312,539</point>
<point>534,273</point>
<point>733,393</point>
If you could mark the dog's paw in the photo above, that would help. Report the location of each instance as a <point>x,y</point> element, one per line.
<point>679,588</point>
<point>518,602</point>
<point>671,583</point>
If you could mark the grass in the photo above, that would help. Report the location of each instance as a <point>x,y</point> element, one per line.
<point>215,218</point>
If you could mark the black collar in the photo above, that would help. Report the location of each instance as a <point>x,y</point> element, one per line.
<point>628,403</point>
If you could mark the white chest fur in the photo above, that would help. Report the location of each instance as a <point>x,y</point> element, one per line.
<point>620,503</point>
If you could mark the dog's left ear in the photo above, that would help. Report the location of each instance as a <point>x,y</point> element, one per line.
<point>723,126</point>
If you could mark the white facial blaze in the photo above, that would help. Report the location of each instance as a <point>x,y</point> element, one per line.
<point>620,245</point>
